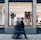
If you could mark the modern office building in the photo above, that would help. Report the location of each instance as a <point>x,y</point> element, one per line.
<point>19,7</point>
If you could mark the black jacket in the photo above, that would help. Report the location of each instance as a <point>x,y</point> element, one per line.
<point>19,27</point>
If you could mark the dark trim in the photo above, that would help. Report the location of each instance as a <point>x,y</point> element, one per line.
<point>18,1</point>
<point>38,30</point>
<point>2,2</point>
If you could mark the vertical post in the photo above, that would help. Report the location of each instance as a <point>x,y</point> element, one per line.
<point>34,13</point>
<point>6,13</point>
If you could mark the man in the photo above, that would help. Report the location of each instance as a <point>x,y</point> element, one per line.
<point>21,29</point>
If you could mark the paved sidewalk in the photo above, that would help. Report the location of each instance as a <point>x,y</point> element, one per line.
<point>30,37</point>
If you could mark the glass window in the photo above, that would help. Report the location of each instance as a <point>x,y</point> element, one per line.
<point>38,14</point>
<point>2,15</point>
<point>19,10</point>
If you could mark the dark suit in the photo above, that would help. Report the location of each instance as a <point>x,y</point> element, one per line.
<point>20,29</point>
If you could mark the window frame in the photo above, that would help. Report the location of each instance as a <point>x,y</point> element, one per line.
<point>33,13</point>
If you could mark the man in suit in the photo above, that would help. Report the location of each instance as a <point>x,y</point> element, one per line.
<point>20,29</point>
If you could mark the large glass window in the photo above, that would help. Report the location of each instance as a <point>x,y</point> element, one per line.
<point>18,10</point>
<point>38,14</point>
<point>2,14</point>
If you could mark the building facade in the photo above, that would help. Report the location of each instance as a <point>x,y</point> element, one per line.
<point>19,7</point>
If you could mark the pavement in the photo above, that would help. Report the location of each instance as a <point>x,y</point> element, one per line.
<point>30,37</point>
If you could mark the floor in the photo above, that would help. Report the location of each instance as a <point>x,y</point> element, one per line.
<point>30,37</point>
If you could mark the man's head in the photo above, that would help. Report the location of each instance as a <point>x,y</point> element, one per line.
<point>22,18</point>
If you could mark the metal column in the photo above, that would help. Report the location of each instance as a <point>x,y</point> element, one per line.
<point>34,13</point>
<point>6,13</point>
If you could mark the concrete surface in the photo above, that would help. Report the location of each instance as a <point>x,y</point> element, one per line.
<point>30,37</point>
